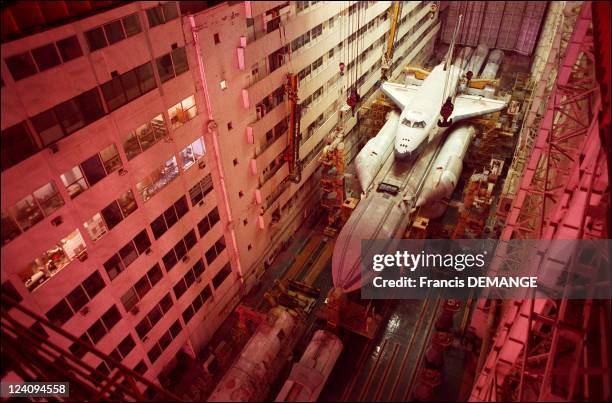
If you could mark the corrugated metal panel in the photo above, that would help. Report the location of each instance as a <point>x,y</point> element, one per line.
<point>532,18</point>
<point>451,21</point>
<point>510,25</point>
<point>492,22</point>
<point>474,22</point>
<point>507,25</point>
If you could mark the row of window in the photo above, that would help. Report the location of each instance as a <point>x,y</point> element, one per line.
<point>197,303</point>
<point>164,341</point>
<point>97,331</point>
<point>168,218</point>
<point>69,116</point>
<point>162,13</point>
<point>270,102</point>
<point>215,250</point>
<point>137,292</point>
<point>29,211</point>
<point>76,299</point>
<point>179,251</point>
<point>208,222</point>
<point>66,118</point>
<point>188,279</point>
<point>154,316</point>
<point>128,86</point>
<point>127,254</point>
<point>113,32</point>
<point>101,223</point>
<point>43,58</point>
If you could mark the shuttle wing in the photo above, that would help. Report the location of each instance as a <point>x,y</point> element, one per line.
<point>468,106</point>
<point>400,94</point>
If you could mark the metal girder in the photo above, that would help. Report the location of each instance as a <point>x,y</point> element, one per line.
<point>562,188</point>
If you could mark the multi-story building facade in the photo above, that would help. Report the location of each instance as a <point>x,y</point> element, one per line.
<point>144,185</point>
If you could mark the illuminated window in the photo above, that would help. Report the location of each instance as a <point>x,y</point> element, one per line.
<point>53,260</point>
<point>192,153</point>
<point>110,216</point>
<point>183,112</point>
<point>144,137</point>
<point>159,179</point>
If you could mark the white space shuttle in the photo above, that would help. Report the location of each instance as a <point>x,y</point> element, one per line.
<point>423,105</point>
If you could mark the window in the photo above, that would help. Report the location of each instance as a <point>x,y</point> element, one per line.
<point>158,180</point>
<point>144,136</point>
<point>419,125</point>
<point>162,13</point>
<point>30,210</point>
<point>69,48</point>
<point>188,279</point>
<point>221,276</point>
<point>126,255</point>
<point>208,222</point>
<point>161,224</point>
<point>53,260</point>
<point>172,64</point>
<point>68,117</point>
<point>46,57</point>
<point>10,230</point>
<point>91,171</point>
<point>215,250</point>
<point>67,307</point>
<point>192,153</point>
<point>131,24</point>
<point>128,86</point>
<point>17,145</point>
<point>141,368</point>
<point>113,32</point>
<point>96,39</point>
<point>201,189</point>
<point>196,305</point>
<point>179,250</point>
<point>154,353</point>
<point>182,112</point>
<point>154,316</point>
<point>141,288</point>
<point>21,65</point>
<point>216,39</point>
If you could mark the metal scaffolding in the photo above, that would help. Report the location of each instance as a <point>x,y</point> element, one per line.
<point>36,355</point>
<point>547,349</point>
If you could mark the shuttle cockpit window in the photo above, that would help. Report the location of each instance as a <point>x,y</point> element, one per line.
<point>406,122</point>
<point>419,125</point>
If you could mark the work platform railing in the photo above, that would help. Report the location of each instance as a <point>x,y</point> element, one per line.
<point>37,356</point>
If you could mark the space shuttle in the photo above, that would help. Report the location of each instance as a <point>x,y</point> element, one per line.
<point>437,97</point>
<point>412,165</point>
<point>427,110</point>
